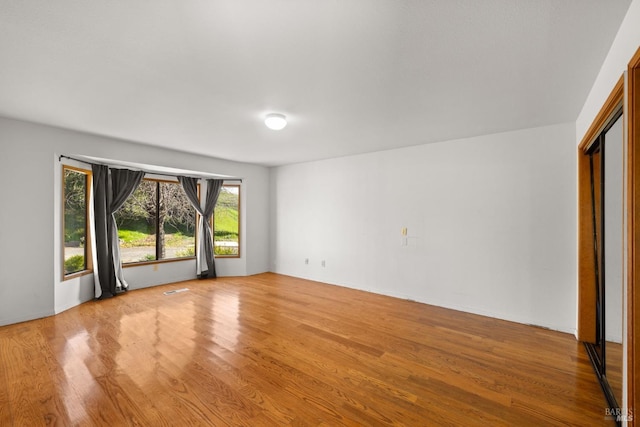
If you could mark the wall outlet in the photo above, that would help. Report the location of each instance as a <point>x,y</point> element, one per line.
<point>306,261</point>
<point>324,264</point>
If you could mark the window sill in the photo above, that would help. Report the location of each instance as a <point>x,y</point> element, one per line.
<point>160,261</point>
<point>75,275</point>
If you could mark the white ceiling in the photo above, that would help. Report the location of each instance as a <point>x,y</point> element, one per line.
<point>352,76</point>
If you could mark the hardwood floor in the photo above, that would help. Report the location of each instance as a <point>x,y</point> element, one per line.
<point>271,350</point>
<point>614,369</point>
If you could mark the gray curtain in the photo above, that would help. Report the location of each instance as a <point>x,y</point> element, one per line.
<point>205,264</point>
<point>103,272</point>
<point>111,188</point>
<point>123,183</point>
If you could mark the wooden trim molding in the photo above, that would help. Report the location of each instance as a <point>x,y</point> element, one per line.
<point>586,328</point>
<point>613,102</point>
<point>633,236</point>
<point>586,258</point>
<point>89,248</point>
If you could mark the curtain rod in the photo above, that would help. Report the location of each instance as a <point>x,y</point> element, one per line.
<point>146,171</point>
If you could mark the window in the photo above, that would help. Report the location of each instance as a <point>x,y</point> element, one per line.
<point>226,222</point>
<point>157,222</point>
<point>75,213</point>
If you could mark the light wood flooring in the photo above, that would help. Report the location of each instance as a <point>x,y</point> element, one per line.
<point>272,350</point>
<point>614,369</point>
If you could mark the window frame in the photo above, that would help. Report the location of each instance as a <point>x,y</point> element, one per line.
<point>213,228</point>
<point>88,252</point>
<point>168,260</point>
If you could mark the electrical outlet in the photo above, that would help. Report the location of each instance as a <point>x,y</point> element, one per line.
<point>306,261</point>
<point>324,264</point>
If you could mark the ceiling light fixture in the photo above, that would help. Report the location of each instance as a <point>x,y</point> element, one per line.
<point>275,121</point>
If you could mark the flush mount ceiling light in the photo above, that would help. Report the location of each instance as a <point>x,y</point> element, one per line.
<point>275,121</point>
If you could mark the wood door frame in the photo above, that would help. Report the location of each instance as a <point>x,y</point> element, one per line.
<point>633,235</point>
<point>627,95</point>
<point>586,274</point>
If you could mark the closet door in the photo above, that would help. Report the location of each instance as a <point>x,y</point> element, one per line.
<point>607,189</point>
<point>613,256</point>
<point>596,183</point>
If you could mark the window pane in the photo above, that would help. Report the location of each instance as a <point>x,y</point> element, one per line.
<point>226,222</point>
<point>137,224</point>
<point>75,221</point>
<point>178,219</point>
<point>156,222</point>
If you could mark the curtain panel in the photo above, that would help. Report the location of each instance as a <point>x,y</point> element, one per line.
<point>205,263</point>
<point>123,183</point>
<point>103,266</point>
<point>111,188</point>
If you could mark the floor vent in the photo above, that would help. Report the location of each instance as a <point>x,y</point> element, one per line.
<point>175,291</point>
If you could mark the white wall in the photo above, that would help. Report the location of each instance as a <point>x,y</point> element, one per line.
<point>30,218</point>
<point>491,224</point>
<point>624,46</point>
